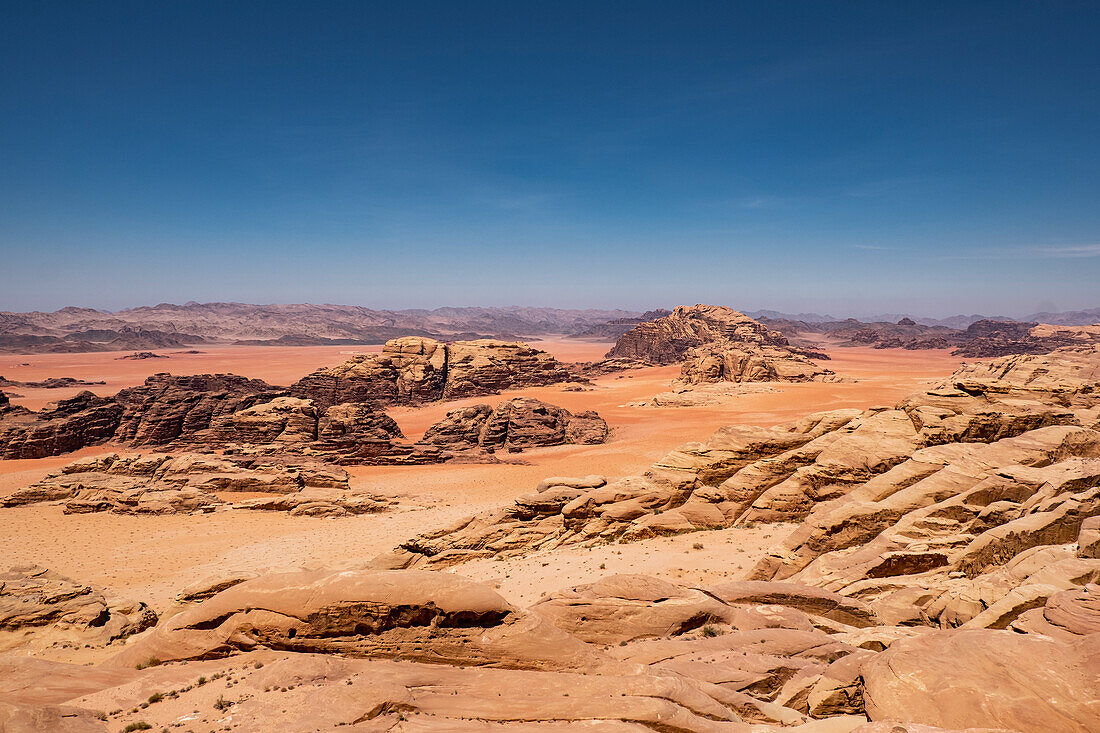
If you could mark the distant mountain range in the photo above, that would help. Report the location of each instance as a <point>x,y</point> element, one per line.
<point>168,325</point>
<point>1086,317</point>
<point>171,326</point>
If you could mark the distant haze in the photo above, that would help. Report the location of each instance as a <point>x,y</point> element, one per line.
<point>840,158</point>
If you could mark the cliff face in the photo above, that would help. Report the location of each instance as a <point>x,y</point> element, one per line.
<point>412,370</point>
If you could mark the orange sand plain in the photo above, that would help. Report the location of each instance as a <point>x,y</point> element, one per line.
<point>152,557</point>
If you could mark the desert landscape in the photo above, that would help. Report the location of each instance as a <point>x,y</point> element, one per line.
<point>520,367</point>
<point>699,526</point>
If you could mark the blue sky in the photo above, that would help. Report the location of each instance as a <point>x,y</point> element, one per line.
<point>856,157</point>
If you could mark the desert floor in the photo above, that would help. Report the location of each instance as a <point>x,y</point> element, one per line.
<point>151,558</point>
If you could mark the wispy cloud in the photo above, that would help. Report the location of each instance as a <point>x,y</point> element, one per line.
<point>1076,250</point>
<point>1068,251</point>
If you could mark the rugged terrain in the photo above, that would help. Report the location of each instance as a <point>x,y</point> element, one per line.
<point>909,544</point>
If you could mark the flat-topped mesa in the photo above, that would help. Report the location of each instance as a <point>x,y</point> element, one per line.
<point>666,340</point>
<point>414,369</point>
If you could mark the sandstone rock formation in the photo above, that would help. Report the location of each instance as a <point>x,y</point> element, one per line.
<point>986,678</point>
<point>40,602</point>
<point>415,650</point>
<point>60,427</point>
<point>725,362</point>
<point>413,369</point>
<point>514,425</point>
<point>417,615</point>
<point>169,407</point>
<point>928,511</point>
<point>666,340</point>
<point>718,344</point>
<point>186,483</point>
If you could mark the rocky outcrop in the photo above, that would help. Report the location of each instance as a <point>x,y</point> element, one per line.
<point>167,408</point>
<point>418,616</point>
<point>37,601</point>
<point>413,370</point>
<point>50,383</point>
<point>725,362</point>
<point>61,427</point>
<point>666,340</point>
<point>717,344</point>
<point>514,425</point>
<point>189,483</point>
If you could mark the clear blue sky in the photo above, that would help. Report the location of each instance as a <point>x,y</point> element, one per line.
<point>851,157</point>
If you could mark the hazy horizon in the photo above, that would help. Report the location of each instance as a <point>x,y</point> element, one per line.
<point>1048,307</point>
<point>852,159</point>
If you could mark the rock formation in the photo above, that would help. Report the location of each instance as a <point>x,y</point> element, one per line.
<point>981,338</point>
<point>666,340</point>
<point>423,651</point>
<point>950,483</point>
<point>725,362</point>
<point>167,408</point>
<point>37,601</point>
<point>412,370</point>
<point>716,344</point>
<point>49,383</point>
<point>514,425</point>
<point>60,427</point>
<point>189,483</point>
<point>416,615</point>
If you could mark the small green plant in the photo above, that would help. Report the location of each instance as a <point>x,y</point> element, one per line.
<point>139,725</point>
<point>697,546</point>
<point>156,697</point>
<point>222,704</point>
<point>201,680</point>
<point>150,662</point>
<point>709,631</point>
